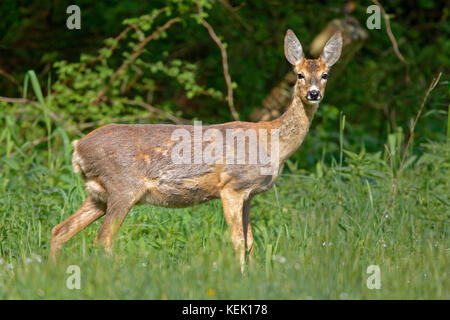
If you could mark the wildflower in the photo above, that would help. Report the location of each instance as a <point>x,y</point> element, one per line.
<point>214,266</point>
<point>1,261</point>
<point>28,260</point>
<point>144,264</point>
<point>37,258</point>
<point>282,259</point>
<point>210,292</point>
<point>163,296</point>
<point>9,266</point>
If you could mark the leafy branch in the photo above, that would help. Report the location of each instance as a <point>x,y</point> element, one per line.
<point>135,55</point>
<point>226,72</point>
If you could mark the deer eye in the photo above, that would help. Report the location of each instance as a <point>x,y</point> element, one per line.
<point>324,76</point>
<point>301,76</point>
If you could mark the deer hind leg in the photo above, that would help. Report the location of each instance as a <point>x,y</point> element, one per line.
<point>89,211</point>
<point>233,205</point>
<point>248,234</point>
<point>116,210</point>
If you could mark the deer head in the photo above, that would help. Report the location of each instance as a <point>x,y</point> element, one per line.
<point>312,73</point>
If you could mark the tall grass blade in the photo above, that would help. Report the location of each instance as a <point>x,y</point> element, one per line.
<point>31,76</point>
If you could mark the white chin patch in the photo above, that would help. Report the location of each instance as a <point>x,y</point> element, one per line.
<point>313,101</point>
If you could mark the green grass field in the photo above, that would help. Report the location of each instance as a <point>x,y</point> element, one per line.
<point>352,198</point>
<point>316,233</point>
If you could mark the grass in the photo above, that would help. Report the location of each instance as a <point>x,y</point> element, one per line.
<point>315,236</point>
<point>316,232</point>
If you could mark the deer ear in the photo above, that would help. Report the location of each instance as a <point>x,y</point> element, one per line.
<point>332,50</point>
<point>292,48</point>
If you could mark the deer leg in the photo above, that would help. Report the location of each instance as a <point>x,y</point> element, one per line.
<point>233,203</point>
<point>116,211</point>
<point>248,235</point>
<point>89,211</point>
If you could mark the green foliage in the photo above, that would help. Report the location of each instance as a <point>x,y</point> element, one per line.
<point>329,217</point>
<point>123,75</point>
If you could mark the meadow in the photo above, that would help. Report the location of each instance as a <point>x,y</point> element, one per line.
<point>316,233</point>
<point>368,187</point>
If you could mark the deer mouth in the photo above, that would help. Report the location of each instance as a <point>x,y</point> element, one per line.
<point>313,100</point>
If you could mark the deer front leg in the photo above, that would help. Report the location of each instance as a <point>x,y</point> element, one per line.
<point>89,211</point>
<point>233,204</point>
<point>248,235</point>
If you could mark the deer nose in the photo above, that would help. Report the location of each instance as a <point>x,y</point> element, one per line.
<point>313,95</point>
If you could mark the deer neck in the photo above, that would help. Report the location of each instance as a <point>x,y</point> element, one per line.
<point>294,125</point>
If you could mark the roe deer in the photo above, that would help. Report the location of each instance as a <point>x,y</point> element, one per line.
<point>123,165</point>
